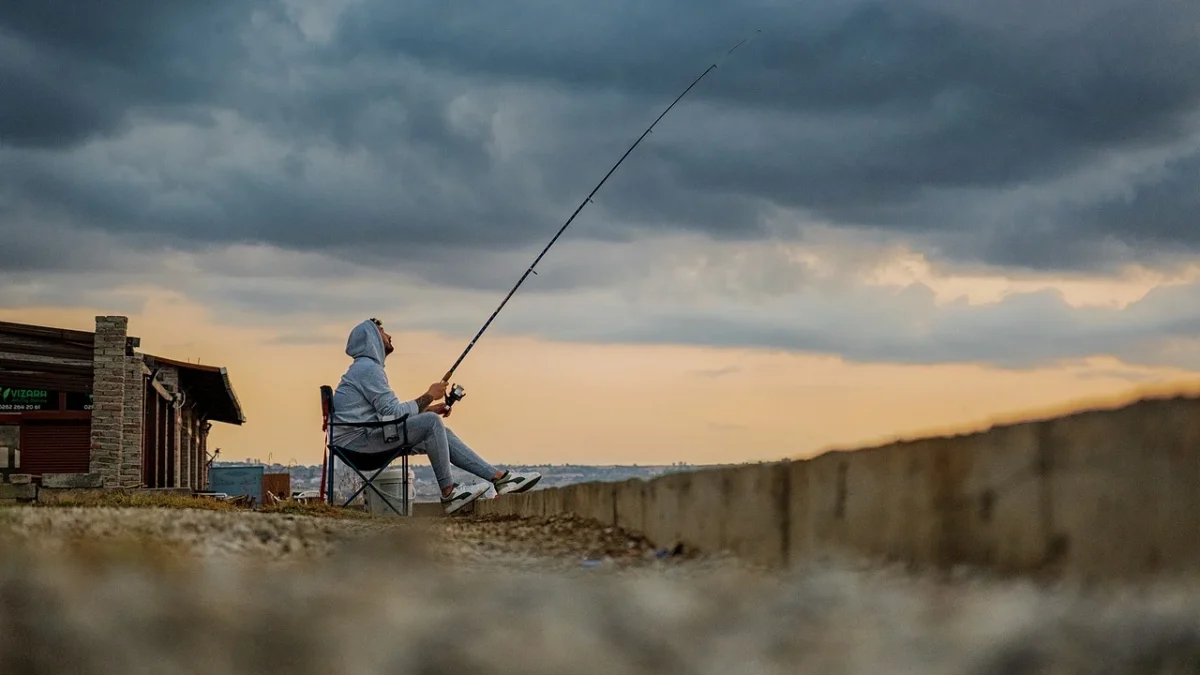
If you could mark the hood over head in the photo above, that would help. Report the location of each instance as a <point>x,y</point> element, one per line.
<point>365,341</point>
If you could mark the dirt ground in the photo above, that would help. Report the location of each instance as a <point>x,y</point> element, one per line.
<point>497,543</point>
<point>96,590</point>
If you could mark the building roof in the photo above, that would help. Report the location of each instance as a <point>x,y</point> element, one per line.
<point>41,356</point>
<point>56,357</point>
<point>214,395</point>
<point>75,338</point>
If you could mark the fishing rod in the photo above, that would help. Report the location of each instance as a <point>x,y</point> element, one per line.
<point>456,392</point>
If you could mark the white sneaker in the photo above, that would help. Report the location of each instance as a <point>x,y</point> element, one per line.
<point>463,495</point>
<point>516,482</point>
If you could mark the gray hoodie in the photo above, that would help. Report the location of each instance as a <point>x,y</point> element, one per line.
<point>364,394</point>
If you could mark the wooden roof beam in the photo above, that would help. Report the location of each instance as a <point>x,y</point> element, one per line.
<point>45,367</point>
<point>57,351</point>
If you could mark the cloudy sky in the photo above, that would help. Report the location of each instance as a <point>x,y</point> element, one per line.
<point>874,218</point>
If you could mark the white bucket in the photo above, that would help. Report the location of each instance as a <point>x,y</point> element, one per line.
<point>390,482</point>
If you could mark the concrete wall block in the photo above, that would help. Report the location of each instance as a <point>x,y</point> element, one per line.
<point>572,499</point>
<point>630,506</point>
<point>953,538</point>
<point>490,507</point>
<point>537,506</point>
<point>1000,519</point>
<point>876,501</point>
<point>661,507</point>
<point>26,492</point>
<point>603,501</point>
<point>530,505</point>
<point>72,480</point>
<point>50,496</point>
<point>827,487</point>
<point>552,502</point>
<point>800,537</point>
<point>523,504</point>
<point>924,502</point>
<point>1124,490</point>
<point>755,520</point>
<point>593,501</point>
<point>514,505</point>
<point>700,506</point>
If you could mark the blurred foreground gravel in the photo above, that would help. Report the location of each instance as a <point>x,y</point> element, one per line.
<point>173,591</point>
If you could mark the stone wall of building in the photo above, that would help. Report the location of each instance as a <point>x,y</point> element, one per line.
<point>108,398</point>
<point>132,430</point>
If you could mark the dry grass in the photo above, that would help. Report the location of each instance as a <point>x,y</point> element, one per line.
<point>122,499</point>
<point>151,500</point>
<point>315,509</point>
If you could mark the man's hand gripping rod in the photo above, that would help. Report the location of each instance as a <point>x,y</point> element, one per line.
<point>456,392</point>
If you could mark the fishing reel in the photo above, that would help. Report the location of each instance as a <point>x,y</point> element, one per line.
<point>455,394</point>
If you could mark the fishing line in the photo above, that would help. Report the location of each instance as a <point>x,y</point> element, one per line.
<point>456,393</point>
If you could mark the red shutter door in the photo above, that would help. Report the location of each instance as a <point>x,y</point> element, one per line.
<point>55,447</point>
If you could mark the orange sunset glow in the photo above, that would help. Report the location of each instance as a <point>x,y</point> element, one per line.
<point>534,401</point>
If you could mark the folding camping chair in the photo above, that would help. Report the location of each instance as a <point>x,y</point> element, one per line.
<point>361,462</point>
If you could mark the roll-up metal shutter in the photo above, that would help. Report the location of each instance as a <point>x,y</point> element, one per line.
<point>55,447</point>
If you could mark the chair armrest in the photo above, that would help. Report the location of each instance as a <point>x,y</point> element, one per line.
<point>371,425</point>
<point>402,421</point>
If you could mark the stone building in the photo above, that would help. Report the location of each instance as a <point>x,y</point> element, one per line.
<point>74,402</point>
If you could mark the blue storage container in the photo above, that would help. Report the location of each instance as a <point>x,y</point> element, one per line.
<point>237,481</point>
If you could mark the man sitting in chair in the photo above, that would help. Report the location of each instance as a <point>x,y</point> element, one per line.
<point>364,395</point>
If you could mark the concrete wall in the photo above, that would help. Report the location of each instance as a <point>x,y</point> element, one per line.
<point>1097,494</point>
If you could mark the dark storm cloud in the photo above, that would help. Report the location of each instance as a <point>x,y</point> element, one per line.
<point>69,71</point>
<point>1166,208</point>
<point>858,112</point>
<point>420,129</point>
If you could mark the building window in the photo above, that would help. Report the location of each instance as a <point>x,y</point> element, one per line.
<point>10,446</point>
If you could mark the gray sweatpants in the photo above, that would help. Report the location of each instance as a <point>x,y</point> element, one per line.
<point>429,433</point>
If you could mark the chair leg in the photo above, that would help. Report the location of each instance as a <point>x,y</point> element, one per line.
<point>367,482</point>
<point>332,463</point>
<point>370,483</point>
